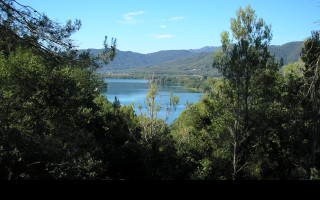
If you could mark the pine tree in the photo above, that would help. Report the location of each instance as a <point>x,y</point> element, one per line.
<point>242,62</point>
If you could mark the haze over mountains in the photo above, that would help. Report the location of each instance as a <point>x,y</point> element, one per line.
<point>183,62</point>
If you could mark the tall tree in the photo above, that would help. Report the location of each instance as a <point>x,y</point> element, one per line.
<point>241,61</point>
<point>149,120</point>
<point>310,55</point>
<point>159,147</point>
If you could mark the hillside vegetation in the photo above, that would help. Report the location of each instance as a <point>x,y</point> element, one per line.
<point>255,122</point>
<point>196,62</point>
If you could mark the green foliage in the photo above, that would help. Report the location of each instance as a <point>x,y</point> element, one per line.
<point>152,126</point>
<point>43,109</point>
<point>255,122</point>
<point>53,122</point>
<point>34,29</point>
<point>315,175</point>
<point>250,70</point>
<point>311,56</point>
<point>201,140</point>
<point>250,123</point>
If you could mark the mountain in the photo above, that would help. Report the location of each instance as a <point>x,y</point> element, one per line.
<point>129,60</point>
<point>205,49</point>
<point>183,62</point>
<point>290,52</point>
<point>197,64</point>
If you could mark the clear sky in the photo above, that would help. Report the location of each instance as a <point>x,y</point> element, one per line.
<point>147,26</point>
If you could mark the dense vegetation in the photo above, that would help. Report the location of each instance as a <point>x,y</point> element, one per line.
<point>255,122</point>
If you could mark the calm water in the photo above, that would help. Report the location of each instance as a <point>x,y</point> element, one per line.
<point>133,90</point>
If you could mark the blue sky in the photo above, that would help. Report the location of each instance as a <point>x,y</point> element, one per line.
<point>147,26</point>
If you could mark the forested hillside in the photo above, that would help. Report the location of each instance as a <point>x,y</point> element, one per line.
<point>183,62</point>
<point>195,64</point>
<point>290,52</point>
<point>255,122</point>
<point>131,60</point>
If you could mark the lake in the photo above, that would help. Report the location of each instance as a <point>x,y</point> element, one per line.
<point>135,90</point>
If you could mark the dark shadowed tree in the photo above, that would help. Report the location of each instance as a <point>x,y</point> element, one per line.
<point>48,99</point>
<point>310,55</point>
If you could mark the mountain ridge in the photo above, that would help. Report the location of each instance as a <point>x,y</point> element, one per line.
<point>187,62</point>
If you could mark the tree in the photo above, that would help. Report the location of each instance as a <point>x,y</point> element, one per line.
<point>23,25</point>
<point>310,55</point>
<point>151,124</point>
<point>42,116</point>
<point>158,145</point>
<point>48,100</point>
<point>241,63</point>
<point>35,28</point>
<point>202,138</point>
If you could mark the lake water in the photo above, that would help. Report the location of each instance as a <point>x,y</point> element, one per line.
<point>134,90</point>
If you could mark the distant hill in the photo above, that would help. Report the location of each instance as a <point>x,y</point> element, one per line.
<point>290,52</point>
<point>205,49</point>
<point>198,64</point>
<point>129,60</point>
<point>183,62</point>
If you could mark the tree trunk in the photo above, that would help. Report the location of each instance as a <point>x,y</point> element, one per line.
<point>234,161</point>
